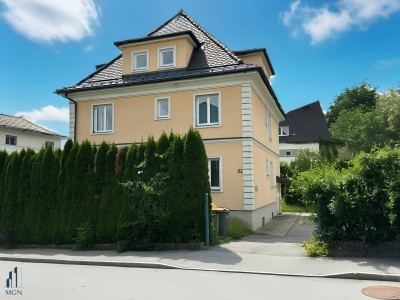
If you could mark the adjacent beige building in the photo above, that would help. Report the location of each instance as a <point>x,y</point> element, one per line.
<point>180,76</point>
<point>17,133</point>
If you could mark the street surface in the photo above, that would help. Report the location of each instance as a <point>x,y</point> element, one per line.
<point>69,282</point>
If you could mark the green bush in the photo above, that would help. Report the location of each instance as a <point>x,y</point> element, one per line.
<point>85,236</point>
<point>237,228</point>
<point>314,247</point>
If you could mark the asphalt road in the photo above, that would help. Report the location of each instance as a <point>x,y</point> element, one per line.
<point>49,281</point>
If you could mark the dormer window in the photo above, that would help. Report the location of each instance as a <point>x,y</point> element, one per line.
<point>284,131</point>
<point>140,60</point>
<point>167,57</point>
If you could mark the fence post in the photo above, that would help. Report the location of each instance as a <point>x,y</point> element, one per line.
<point>206,210</point>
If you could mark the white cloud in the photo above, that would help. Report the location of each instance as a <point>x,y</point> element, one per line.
<point>384,64</point>
<point>46,113</point>
<point>328,21</point>
<point>52,20</point>
<point>88,48</point>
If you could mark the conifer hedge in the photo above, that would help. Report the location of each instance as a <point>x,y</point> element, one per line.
<point>136,196</point>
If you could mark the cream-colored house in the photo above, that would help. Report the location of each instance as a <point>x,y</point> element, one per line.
<point>180,76</point>
<point>17,133</point>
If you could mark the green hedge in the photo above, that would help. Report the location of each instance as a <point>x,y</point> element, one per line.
<point>361,202</point>
<point>138,196</point>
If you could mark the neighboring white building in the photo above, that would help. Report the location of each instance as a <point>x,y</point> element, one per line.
<point>303,128</point>
<point>17,133</point>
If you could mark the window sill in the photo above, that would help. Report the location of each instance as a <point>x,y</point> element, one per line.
<point>216,191</point>
<point>140,70</point>
<point>166,67</point>
<point>101,132</point>
<point>208,126</point>
<point>162,118</point>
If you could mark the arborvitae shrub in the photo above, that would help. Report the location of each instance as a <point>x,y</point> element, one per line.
<point>195,172</point>
<point>151,164</point>
<point>99,168</point>
<point>131,157</point>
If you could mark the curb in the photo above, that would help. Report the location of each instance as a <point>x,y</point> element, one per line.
<point>151,265</point>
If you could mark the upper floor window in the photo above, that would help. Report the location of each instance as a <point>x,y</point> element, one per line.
<point>162,108</point>
<point>284,131</point>
<point>166,57</point>
<point>140,60</point>
<point>271,174</point>
<point>49,144</point>
<point>11,140</point>
<point>208,110</point>
<point>103,115</point>
<point>268,123</point>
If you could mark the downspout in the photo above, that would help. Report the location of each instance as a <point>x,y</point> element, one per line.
<point>76,114</point>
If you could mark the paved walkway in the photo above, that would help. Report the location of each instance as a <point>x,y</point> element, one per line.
<point>279,225</point>
<point>257,254</point>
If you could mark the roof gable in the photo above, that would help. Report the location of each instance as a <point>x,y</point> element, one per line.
<point>20,123</point>
<point>307,124</point>
<point>212,53</point>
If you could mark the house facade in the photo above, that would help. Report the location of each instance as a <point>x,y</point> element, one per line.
<point>179,76</point>
<point>17,133</point>
<point>304,128</point>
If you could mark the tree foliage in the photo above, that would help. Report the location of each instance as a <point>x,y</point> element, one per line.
<point>362,96</point>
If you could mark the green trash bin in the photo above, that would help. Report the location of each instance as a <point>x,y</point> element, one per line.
<point>223,221</point>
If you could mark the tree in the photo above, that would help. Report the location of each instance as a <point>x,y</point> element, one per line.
<point>388,109</point>
<point>359,130</point>
<point>197,185</point>
<point>363,97</point>
<point>305,160</point>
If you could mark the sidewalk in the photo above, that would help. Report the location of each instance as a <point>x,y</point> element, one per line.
<point>257,254</point>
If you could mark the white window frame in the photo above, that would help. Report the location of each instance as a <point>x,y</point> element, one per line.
<point>280,132</point>
<point>220,188</point>
<point>290,153</point>
<point>11,136</point>
<point>156,115</point>
<point>271,174</point>
<point>93,119</point>
<point>270,126</point>
<point>267,167</point>
<point>160,64</point>
<point>138,52</point>
<point>196,111</point>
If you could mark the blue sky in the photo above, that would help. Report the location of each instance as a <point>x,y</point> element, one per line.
<point>317,48</point>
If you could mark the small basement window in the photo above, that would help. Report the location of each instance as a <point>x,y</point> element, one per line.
<point>288,153</point>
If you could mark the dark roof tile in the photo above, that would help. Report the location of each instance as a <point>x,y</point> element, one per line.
<point>306,125</point>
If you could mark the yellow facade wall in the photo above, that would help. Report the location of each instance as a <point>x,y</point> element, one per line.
<point>134,117</point>
<point>257,59</point>
<point>183,52</point>
<point>232,182</point>
<point>264,194</point>
<point>260,131</point>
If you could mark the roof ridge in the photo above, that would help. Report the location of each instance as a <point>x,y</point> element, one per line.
<point>182,13</point>
<point>22,117</point>
<point>215,40</point>
<point>309,104</point>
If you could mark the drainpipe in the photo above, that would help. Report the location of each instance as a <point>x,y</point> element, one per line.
<point>76,113</point>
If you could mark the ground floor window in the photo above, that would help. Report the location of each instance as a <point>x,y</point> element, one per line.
<point>214,173</point>
<point>48,143</point>
<point>11,140</point>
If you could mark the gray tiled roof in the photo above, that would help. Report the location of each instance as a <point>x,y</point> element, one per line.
<point>212,54</point>
<point>20,123</point>
<point>211,58</point>
<point>306,125</point>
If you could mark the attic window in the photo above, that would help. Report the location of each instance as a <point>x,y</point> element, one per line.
<point>140,60</point>
<point>166,57</point>
<point>284,131</point>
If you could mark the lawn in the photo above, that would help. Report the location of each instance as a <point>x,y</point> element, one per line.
<point>295,208</point>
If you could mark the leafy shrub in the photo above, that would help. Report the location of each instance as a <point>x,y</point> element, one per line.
<point>237,228</point>
<point>314,247</point>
